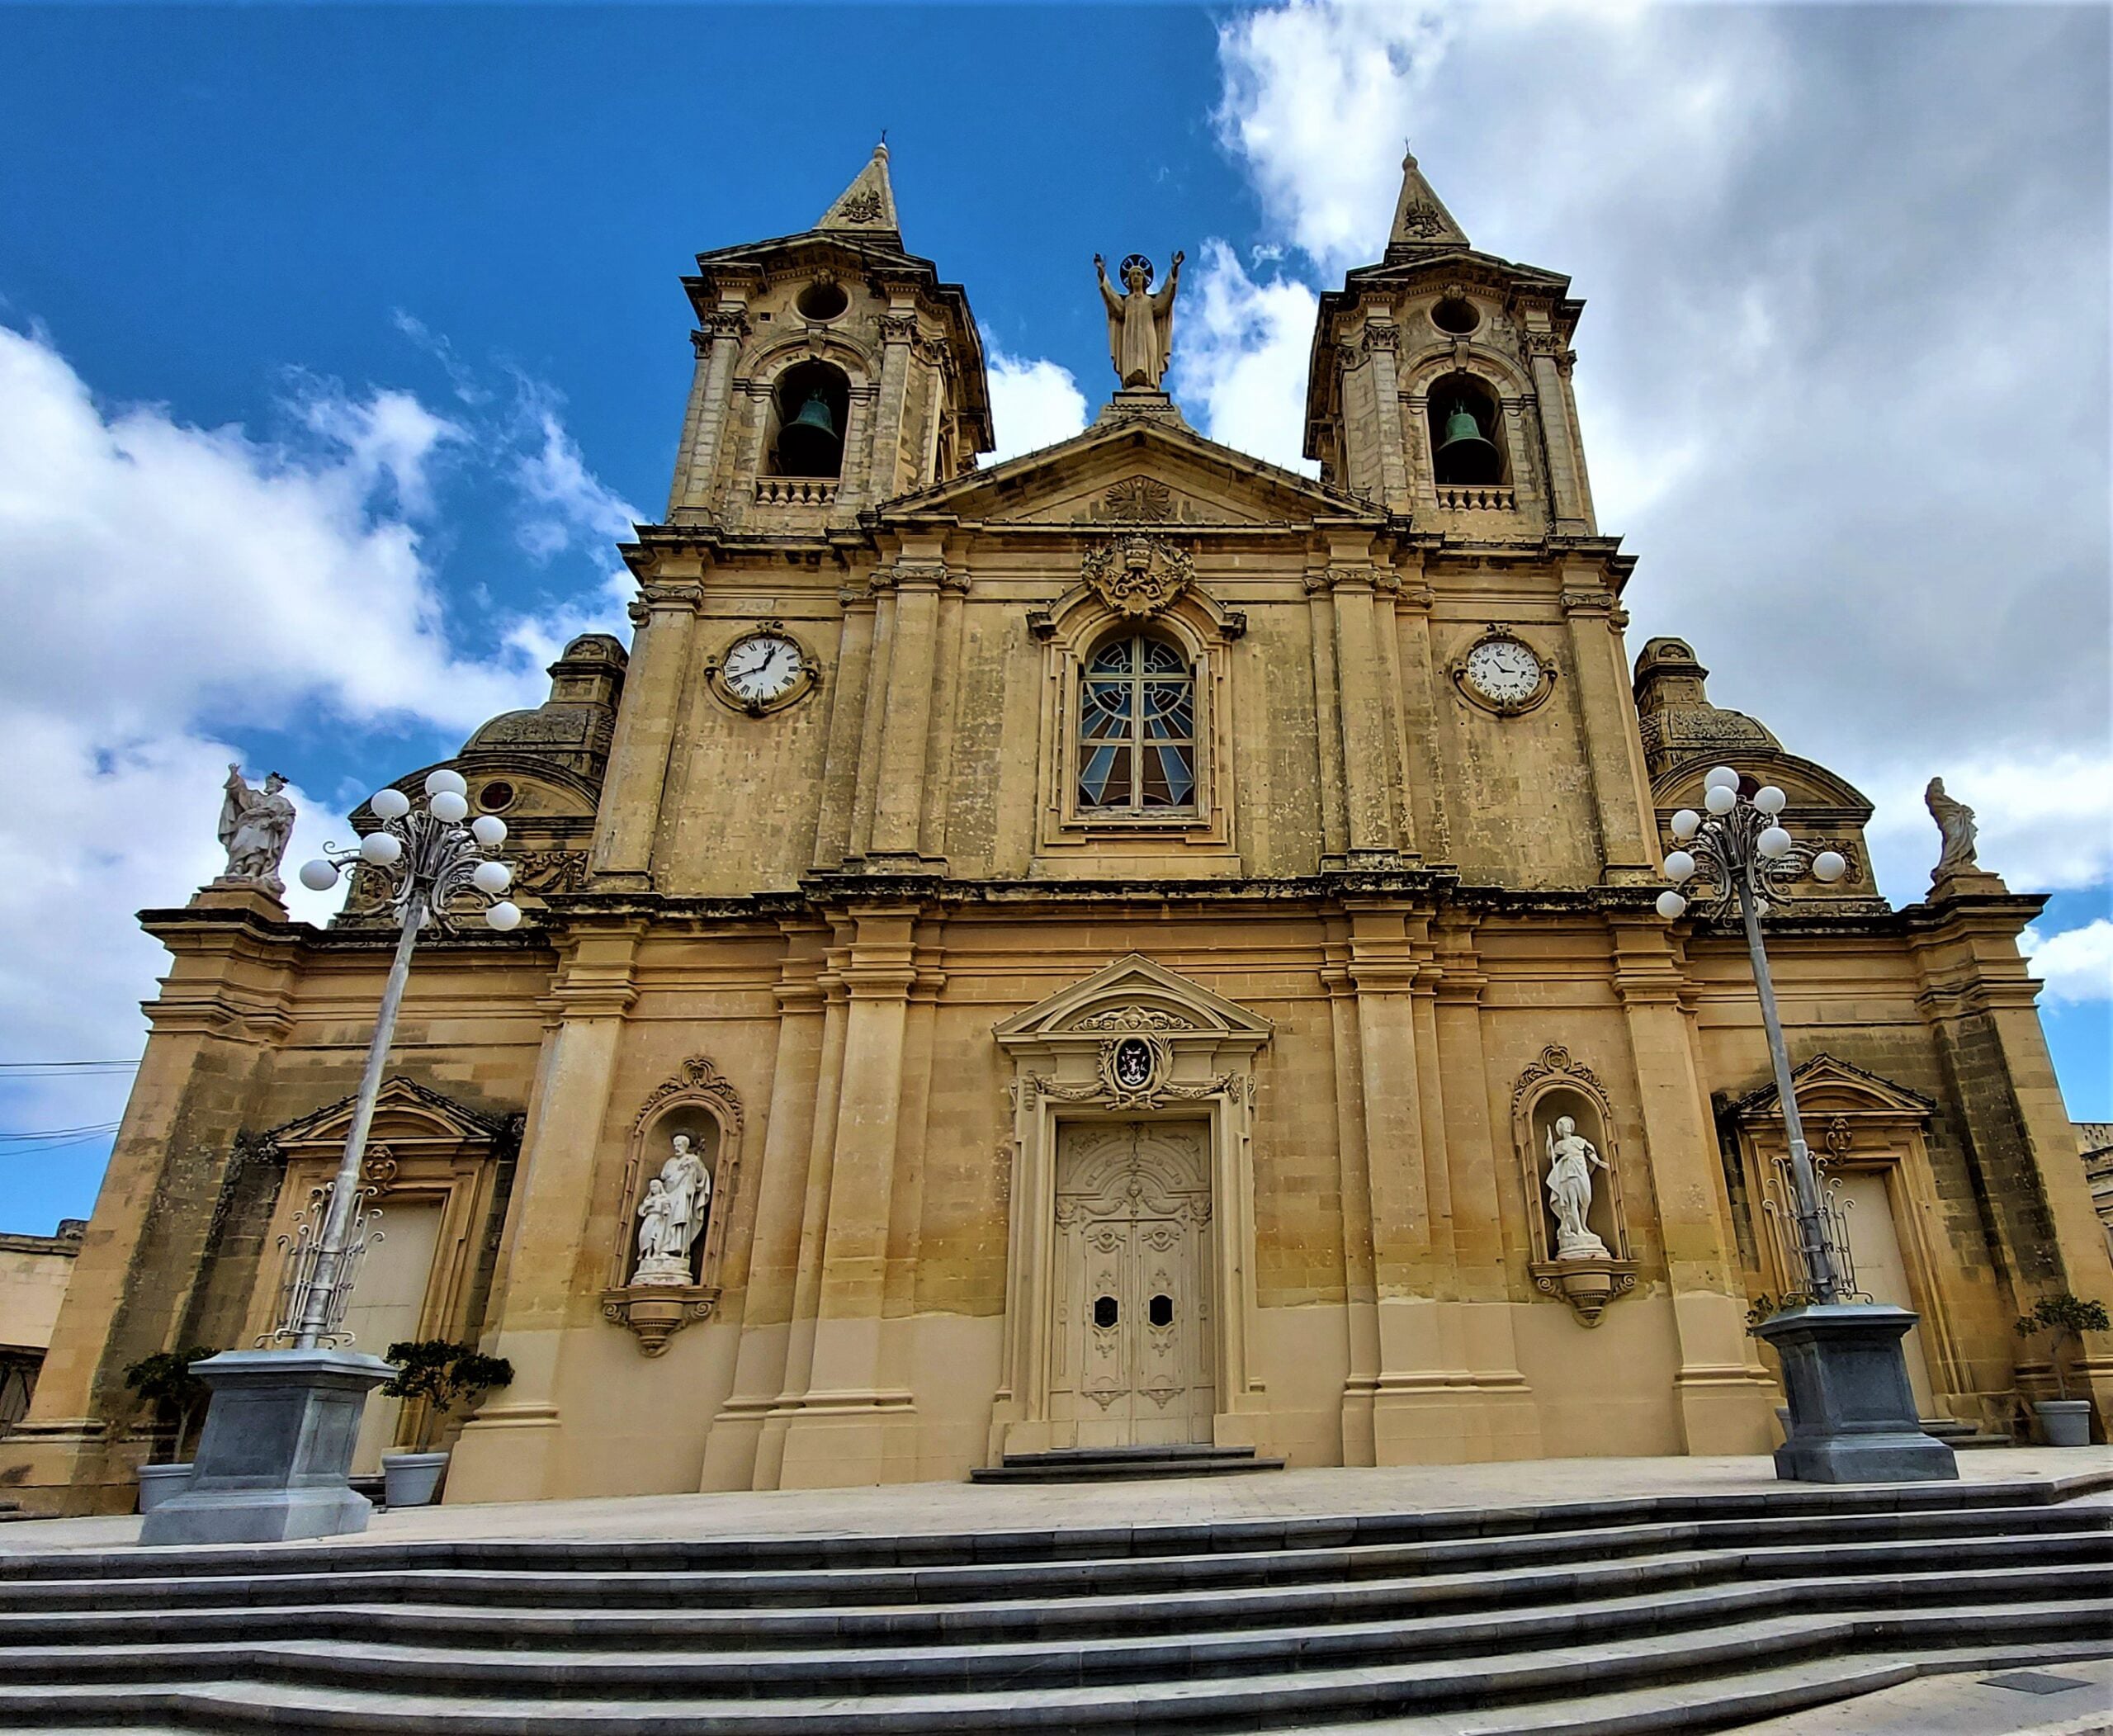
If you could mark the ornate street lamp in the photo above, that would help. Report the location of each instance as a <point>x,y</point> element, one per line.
<point>1852,1411</point>
<point>431,863</point>
<point>273,1461</point>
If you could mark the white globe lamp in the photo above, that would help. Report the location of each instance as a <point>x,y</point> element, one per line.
<point>445,781</point>
<point>1670,905</point>
<point>1830,866</point>
<point>1686,824</point>
<point>1773,844</point>
<point>489,830</point>
<point>390,804</point>
<point>1680,867</point>
<point>380,849</point>
<point>1721,777</point>
<point>1770,800</point>
<point>492,876</point>
<point>504,915</point>
<point>1721,799</point>
<point>318,875</point>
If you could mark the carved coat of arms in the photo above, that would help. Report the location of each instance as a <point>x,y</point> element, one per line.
<point>1138,575</point>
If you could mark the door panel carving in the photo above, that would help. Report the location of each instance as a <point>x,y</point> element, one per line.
<point>1130,1336</point>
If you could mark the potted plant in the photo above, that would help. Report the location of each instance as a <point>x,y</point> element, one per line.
<point>2065,1422</point>
<point>446,1376</point>
<point>164,1380</point>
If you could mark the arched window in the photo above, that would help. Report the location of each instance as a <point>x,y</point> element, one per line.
<point>1137,728</point>
<point>1466,447</point>
<point>809,408</point>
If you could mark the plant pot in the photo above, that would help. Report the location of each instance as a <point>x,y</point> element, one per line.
<point>409,1480</point>
<point>158,1483</point>
<point>2064,1421</point>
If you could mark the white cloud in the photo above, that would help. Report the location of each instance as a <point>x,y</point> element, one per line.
<point>2076,964</point>
<point>1802,388</point>
<point>1034,403</point>
<point>569,506</point>
<point>1240,348</point>
<point>1317,98</point>
<point>159,579</point>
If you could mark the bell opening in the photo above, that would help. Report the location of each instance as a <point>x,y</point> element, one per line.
<point>810,403</point>
<point>1463,414</point>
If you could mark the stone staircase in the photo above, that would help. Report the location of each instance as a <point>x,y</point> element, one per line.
<point>1123,1465</point>
<point>1631,1616</point>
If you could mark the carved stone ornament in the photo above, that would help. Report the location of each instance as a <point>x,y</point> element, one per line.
<point>656,1313</point>
<point>1135,1018</point>
<point>1587,1286</point>
<point>1139,499</point>
<point>698,1078</point>
<point>863,207</point>
<point>1135,1072</point>
<point>1420,219</point>
<point>1586,1272</point>
<point>1138,575</point>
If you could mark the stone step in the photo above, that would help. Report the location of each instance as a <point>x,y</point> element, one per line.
<point>1033,1467</point>
<point>1542,1682</point>
<point>292,1609</point>
<point>1733,1703</point>
<point>978,1664</point>
<point>169,1579</point>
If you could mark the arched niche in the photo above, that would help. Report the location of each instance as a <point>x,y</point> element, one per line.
<point>700,1105</point>
<point>813,379</point>
<point>1556,1087</point>
<point>1466,464</point>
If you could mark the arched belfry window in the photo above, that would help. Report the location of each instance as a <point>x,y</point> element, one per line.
<point>1466,439</point>
<point>1137,728</point>
<point>810,406</point>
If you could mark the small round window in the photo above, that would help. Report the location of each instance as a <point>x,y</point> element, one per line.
<point>1456,315</point>
<point>494,796</point>
<point>822,300</point>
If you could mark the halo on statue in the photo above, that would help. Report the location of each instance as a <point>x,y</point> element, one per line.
<point>1122,270</point>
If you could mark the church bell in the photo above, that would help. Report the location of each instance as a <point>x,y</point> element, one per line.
<point>809,445</point>
<point>1464,455</point>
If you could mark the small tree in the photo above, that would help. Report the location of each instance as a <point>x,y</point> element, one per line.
<point>165,1381</point>
<point>2066,1316</point>
<point>445,1375</point>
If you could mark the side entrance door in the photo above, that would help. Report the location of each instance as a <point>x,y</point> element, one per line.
<point>1130,1349</point>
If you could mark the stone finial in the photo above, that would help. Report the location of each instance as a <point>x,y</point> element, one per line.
<point>1421,222</point>
<point>866,207</point>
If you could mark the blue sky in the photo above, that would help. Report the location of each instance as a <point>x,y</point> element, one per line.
<point>336,348</point>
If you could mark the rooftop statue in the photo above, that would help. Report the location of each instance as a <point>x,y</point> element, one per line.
<point>255,826</point>
<point>1955,826</point>
<point>1140,322</point>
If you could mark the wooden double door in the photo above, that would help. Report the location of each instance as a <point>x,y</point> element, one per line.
<point>1130,1360</point>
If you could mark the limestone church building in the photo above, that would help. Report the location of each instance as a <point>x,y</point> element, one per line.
<point>1120,927</point>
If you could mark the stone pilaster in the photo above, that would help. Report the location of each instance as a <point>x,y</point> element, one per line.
<point>220,1014</point>
<point>1570,495</point>
<point>1366,711</point>
<point>547,1283</point>
<point>1614,747</point>
<point>1724,1395</point>
<point>769,1271</point>
<point>905,714</point>
<point>657,687</point>
<point>718,345</point>
<point>848,1427</point>
<point>1979,1004</point>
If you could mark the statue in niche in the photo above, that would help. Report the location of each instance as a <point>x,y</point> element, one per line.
<point>653,1212</point>
<point>256,824</point>
<point>1140,322</point>
<point>1571,1160</point>
<point>1955,827</point>
<point>678,1201</point>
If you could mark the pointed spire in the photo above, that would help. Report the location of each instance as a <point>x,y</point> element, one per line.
<point>866,207</point>
<point>1421,222</point>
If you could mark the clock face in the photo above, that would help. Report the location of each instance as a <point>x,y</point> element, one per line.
<point>762,667</point>
<point>1504,671</point>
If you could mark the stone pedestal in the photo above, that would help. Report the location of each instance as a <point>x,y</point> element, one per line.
<point>1852,1412</point>
<point>272,1463</point>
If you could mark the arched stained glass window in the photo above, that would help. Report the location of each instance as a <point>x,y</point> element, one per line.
<point>1137,728</point>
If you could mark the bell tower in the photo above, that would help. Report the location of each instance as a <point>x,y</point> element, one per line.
<point>834,371</point>
<point>1440,384</point>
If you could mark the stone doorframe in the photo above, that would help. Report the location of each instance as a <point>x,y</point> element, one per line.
<point>1134,1042</point>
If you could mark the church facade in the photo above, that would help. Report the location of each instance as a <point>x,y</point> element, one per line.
<point>1105,943</point>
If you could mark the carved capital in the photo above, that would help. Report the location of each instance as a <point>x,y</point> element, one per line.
<point>1588,602</point>
<point>911,575</point>
<point>726,322</point>
<point>898,327</point>
<point>1383,334</point>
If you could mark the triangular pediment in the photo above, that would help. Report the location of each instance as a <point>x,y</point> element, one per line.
<point>1825,1085</point>
<point>1133,994</point>
<point>1135,472</point>
<point>403,1111</point>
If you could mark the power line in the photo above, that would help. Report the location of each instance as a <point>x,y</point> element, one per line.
<point>59,1066</point>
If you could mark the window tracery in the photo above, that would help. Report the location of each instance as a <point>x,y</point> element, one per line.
<point>1137,728</point>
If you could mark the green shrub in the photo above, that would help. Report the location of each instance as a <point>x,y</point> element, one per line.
<point>447,1376</point>
<point>179,1397</point>
<point>2066,1316</point>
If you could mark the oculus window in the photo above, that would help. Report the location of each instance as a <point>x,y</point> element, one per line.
<point>1137,728</point>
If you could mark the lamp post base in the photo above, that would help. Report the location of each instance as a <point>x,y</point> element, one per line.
<point>272,1463</point>
<point>1852,1412</point>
